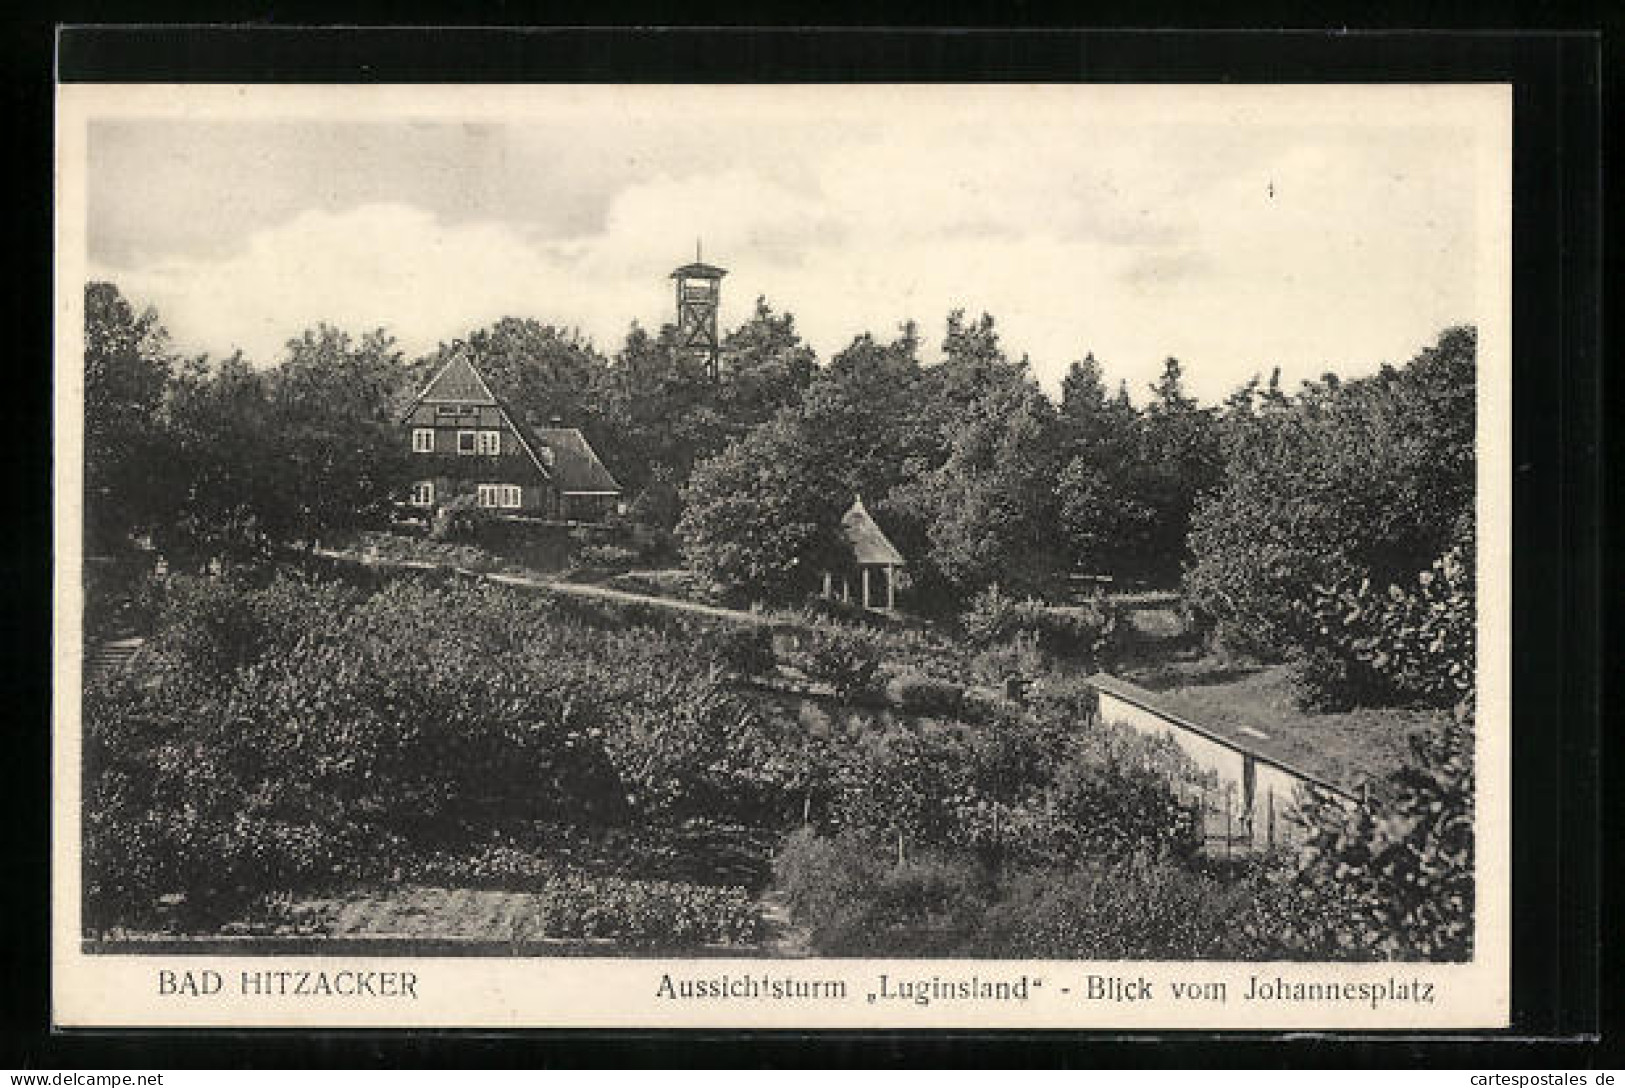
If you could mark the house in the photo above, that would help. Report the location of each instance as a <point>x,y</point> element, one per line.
<point>873,563</point>
<point>1254,791</point>
<point>465,440</point>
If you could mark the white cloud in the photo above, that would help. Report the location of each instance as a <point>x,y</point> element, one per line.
<point>1134,245</point>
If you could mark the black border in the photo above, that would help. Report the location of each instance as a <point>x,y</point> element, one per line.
<point>1558,548</point>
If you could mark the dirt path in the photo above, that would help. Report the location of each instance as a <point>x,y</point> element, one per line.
<point>782,937</point>
<point>604,593</point>
<point>550,585</point>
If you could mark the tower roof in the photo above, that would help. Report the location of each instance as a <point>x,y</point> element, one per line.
<point>699,270</point>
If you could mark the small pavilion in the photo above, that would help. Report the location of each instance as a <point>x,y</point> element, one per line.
<point>874,562</point>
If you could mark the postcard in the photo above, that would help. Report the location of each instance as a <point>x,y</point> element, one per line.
<point>842,556</point>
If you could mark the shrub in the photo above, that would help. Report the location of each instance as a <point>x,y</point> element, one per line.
<point>847,664</point>
<point>289,734</point>
<point>1018,657</point>
<point>1085,631</point>
<point>925,695</point>
<point>605,557</point>
<point>486,866</point>
<point>993,616</point>
<point>1139,908</point>
<point>854,901</point>
<point>1128,804</point>
<point>745,651</point>
<point>646,912</point>
<point>1408,644</point>
<point>1392,879</point>
<point>854,904</point>
<point>699,850</point>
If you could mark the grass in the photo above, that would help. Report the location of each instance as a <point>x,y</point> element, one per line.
<point>1344,747</point>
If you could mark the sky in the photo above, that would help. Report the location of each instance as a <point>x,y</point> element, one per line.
<point>1235,233</point>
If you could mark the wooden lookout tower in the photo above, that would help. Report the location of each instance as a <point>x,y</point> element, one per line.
<point>699,290</point>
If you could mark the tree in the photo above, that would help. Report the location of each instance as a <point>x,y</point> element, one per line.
<point>764,366</point>
<point>1360,480</point>
<point>223,446</point>
<point>1180,460</point>
<point>990,507</point>
<point>338,456</point>
<point>128,364</point>
<point>1105,523</point>
<point>539,370</point>
<point>658,409</point>
<point>862,413</point>
<point>764,515</point>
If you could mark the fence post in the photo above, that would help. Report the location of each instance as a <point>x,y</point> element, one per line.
<point>1229,830</point>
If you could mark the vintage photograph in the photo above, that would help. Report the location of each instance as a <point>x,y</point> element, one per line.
<point>786,524</point>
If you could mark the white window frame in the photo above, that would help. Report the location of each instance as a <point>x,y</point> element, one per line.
<point>488,443</point>
<point>473,442</point>
<point>422,439</point>
<point>423,493</point>
<point>498,496</point>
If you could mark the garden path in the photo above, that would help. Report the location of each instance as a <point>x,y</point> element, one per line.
<point>579,589</point>
<point>782,937</point>
<point>553,585</point>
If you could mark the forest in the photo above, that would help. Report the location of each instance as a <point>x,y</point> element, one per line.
<point>295,731</point>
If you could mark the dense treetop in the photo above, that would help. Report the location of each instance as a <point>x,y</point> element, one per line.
<point>977,474</point>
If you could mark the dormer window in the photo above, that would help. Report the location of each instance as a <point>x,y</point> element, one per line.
<point>422,439</point>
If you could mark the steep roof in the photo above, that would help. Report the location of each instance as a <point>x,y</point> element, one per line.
<point>576,468</point>
<point>869,544</point>
<point>457,382</point>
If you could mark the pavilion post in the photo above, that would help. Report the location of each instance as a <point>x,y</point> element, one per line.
<point>866,588</point>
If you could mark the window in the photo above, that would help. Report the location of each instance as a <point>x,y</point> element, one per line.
<point>465,441</point>
<point>490,442</point>
<point>422,439</point>
<point>423,493</point>
<point>493,496</point>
